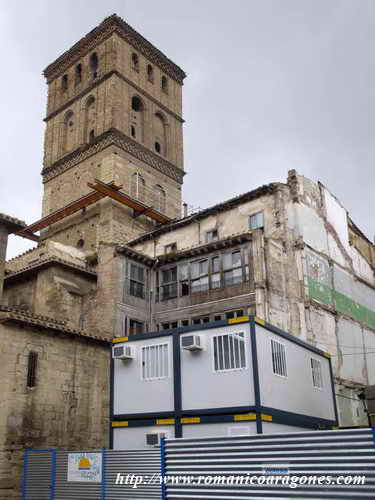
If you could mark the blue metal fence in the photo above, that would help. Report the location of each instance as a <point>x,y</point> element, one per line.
<point>299,454</point>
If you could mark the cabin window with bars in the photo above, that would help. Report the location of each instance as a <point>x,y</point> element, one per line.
<point>155,362</point>
<point>229,352</point>
<point>169,283</point>
<point>278,358</point>
<point>32,363</point>
<point>135,282</point>
<point>316,372</point>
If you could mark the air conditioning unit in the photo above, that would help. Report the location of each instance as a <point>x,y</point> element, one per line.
<point>191,343</point>
<point>123,352</point>
<point>155,438</point>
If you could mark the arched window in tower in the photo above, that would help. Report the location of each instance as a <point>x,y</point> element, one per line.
<point>94,64</point>
<point>159,198</point>
<point>135,61</point>
<point>160,134</point>
<point>90,120</point>
<point>64,83</point>
<point>164,84</point>
<point>68,136</point>
<point>78,79</point>
<point>138,187</point>
<point>137,118</point>
<point>150,73</point>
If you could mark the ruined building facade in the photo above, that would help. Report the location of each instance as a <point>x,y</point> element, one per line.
<point>115,256</point>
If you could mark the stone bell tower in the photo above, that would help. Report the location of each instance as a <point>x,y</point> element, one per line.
<point>114,115</point>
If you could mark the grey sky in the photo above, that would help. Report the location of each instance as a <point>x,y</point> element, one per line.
<point>272,85</point>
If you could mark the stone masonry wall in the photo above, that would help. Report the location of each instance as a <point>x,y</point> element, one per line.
<point>67,409</point>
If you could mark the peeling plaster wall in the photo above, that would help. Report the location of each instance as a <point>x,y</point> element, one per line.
<point>339,290</point>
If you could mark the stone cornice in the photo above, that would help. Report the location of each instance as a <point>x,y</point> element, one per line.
<point>102,79</point>
<point>11,223</point>
<point>196,251</point>
<point>9,314</point>
<point>32,269</point>
<point>137,256</point>
<point>110,25</point>
<point>116,138</point>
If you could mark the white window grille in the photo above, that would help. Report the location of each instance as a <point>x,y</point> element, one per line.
<point>229,352</point>
<point>155,362</point>
<point>316,372</point>
<point>278,358</point>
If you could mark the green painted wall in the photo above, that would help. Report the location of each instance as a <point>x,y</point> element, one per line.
<point>325,294</point>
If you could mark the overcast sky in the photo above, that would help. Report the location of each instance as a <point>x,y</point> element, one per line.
<point>272,85</point>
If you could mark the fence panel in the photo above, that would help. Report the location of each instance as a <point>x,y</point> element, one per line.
<point>142,463</point>
<point>66,490</point>
<point>328,453</point>
<point>46,476</point>
<point>38,475</point>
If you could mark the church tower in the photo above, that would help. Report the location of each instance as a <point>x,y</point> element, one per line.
<point>114,115</point>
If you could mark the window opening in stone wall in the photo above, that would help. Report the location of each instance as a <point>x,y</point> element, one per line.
<point>234,314</point>
<point>171,248</point>
<point>232,265</point>
<point>94,64</point>
<point>64,82</point>
<point>199,276</point>
<point>137,104</point>
<point>150,73</point>
<point>169,283</point>
<point>32,363</point>
<point>256,221</point>
<point>201,320</point>
<point>212,236</point>
<point>78,78</point>
<point>135,61</point>
<point>164,84</point>
<point>135,281</point>
<point>136,327</point>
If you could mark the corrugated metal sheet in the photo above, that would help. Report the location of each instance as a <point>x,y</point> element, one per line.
<point>68,490</point>
<point>39,477</point>
<point>333,453</point>
<point>144,463</point>
<point>46,480</point>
